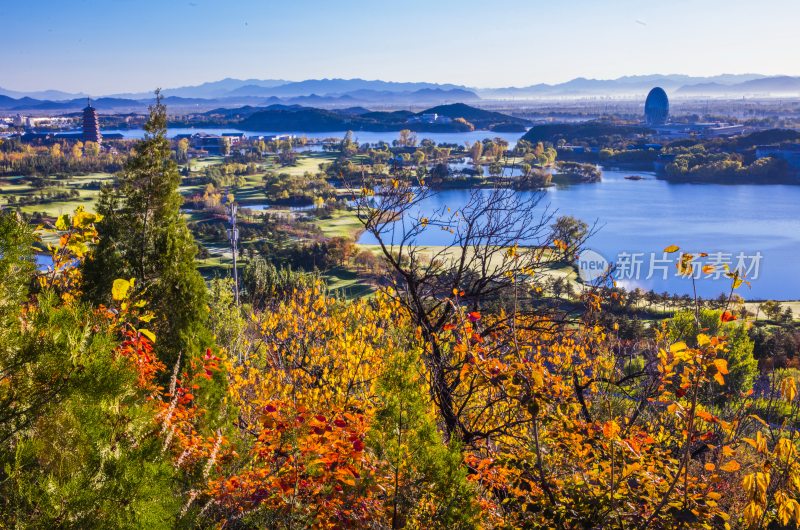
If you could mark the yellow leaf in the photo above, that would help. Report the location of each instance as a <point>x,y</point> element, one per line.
<point>62,223</point>
<point>703,339</point>
<point>710,467</point>
<point>672,248</point>
<point>722,365</point>
<point>730,466</point>
<point>706,416</point>
<point>685,267</point>
<point>677,347</point>
<point>610,429</point>
<point>147,333</point>
<point>719,379</point>
<point>120,288</point>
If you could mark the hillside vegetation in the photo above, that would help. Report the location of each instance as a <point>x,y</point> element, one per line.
<point>134,395</point>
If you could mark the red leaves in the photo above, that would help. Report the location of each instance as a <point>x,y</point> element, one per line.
<point>139,349</point>
<point>474,316</point>
<point>318,456</point>
<point>210,364</point>
<point>727,316</point>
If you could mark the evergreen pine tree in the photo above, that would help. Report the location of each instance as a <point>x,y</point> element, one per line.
<point>78,447</point>
<point>144,236</point>
<point>425,471</point>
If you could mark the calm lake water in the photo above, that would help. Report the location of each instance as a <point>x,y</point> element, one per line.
<point>756,227</point>
<point>753,227</point>
<point>359,136</point>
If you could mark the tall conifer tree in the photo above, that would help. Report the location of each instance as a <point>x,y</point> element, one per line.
<point>144,236</point>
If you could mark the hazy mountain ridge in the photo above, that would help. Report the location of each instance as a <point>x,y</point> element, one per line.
<point>772,85</point>
<point>53,95</point>
<point>233,93</point>
<point>425,96</point>
<point>632,85</point>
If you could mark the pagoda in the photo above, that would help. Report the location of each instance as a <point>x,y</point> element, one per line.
<point>91,124</point>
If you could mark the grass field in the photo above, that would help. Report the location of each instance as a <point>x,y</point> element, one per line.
<point>11,186</point>
<point>347,283</point>
<point>307,162</point>
<point>341,224</point>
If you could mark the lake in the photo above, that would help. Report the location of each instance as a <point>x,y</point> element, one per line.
<point>755,227</point>
<point>359,136</point>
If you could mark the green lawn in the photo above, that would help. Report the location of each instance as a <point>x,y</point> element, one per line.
<point>342,224</point>
<point>347,283</point>
<point>308,162</point>
<point>10,186</point>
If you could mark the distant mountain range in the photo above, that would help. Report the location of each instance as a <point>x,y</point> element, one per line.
<point>335,93</point>
<point>765,85</point>
<point>249,94</point>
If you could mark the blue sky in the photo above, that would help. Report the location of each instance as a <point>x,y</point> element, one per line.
<point>111,46</point>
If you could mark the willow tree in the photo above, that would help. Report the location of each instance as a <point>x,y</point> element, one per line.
<point>144,236</point>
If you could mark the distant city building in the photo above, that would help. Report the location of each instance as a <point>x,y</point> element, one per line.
<point>721,129</point>
<point>234,138</point>
<point>91,125</point>
<point>429,118</point>
<point>273,137</point>
<point>213,144</point>
<point>656,107</point>
<point>699,130</point>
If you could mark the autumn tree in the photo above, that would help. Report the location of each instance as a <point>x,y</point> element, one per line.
<point>183,149</point>
<point>478,266</point>
<point>571,233</point>
<point>475,152</point>
<point>77,150</point>
<point>91,149</point>
<point>407,138</point>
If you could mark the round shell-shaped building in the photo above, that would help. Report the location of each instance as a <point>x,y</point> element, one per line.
<point>656,107</point>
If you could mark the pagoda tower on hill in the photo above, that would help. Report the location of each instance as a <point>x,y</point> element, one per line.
<point>91,124</point>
